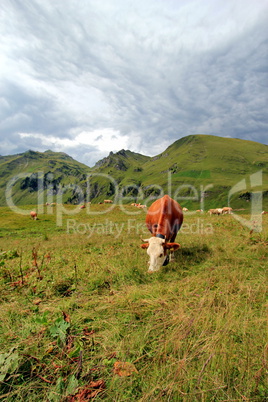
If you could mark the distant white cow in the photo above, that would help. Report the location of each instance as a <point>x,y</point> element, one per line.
<point>139,205</point>
<point>216,211</point>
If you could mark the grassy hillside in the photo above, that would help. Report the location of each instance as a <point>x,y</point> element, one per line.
<point>213,158</point>
<point>184,170</point>
<point>189,165</point>
<point>82,319</point>
<point>201,160</point>
<point>34,170</point>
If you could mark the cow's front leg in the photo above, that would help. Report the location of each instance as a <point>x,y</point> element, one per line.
<point>171,255</point>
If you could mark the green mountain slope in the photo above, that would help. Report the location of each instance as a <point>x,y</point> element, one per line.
<point>216,158</point>
<point>186,168</point>
<point>198,170</point>
<point>117,173</point>
<point>203,160</point>
<point>49,172</point>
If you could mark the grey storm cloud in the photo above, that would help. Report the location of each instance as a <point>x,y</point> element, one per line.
<point>76,76</point>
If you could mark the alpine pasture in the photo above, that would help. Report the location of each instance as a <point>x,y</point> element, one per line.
<point>82,319</point>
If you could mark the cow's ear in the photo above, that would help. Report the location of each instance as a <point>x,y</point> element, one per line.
<point>144,245</point>
<point>175,246</point>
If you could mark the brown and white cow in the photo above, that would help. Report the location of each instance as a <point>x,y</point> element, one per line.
<point>227,210</point>
<point>33,215</point>
<point>141,206</point>
<point>216,211</point>
<point>164,219</point>
<point>108,201</point>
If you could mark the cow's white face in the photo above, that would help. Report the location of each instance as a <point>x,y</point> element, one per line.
<point>156,253</point>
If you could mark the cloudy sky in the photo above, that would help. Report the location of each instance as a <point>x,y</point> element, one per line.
<point>87,77</point>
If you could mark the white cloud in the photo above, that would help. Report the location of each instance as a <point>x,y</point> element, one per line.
<point>105,140</point>
<point>48,141</point>
<point>101,142</point>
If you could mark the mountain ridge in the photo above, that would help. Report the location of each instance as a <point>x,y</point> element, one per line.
<point>195,160</point>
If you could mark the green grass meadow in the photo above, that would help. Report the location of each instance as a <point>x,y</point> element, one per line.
<point>77,302</point>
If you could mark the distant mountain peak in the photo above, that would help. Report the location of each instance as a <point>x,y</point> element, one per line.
<point>122,152</point>
<point>118,159</point>
<point>30,152</point>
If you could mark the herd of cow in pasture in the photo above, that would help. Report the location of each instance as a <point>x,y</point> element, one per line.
<point>213,211</point>
<point>163,219</point>
<point>220,211</point>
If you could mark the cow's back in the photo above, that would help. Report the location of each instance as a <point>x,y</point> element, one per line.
<point>164,217</point>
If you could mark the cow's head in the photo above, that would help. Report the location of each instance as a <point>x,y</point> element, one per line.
<point>157,251</point>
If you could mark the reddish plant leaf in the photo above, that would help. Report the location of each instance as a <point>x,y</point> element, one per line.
<point>88,392</point>
<point>124,369</point>
<point>86,332</point>
<point>66,317</point>
<point>69,342</point>
<point>97,384</point>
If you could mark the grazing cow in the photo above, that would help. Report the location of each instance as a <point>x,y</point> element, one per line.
<point>141,206</point>
<point>164,219</point>
<point>82,206</point>
<point>108,201</point>
<point>33,215</point>
<point>227,210</point>
<point>185,209</point>
<point>264,212</point>
<point>216,211</point>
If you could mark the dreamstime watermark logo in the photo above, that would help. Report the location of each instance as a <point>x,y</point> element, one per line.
<point>50,193</point>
